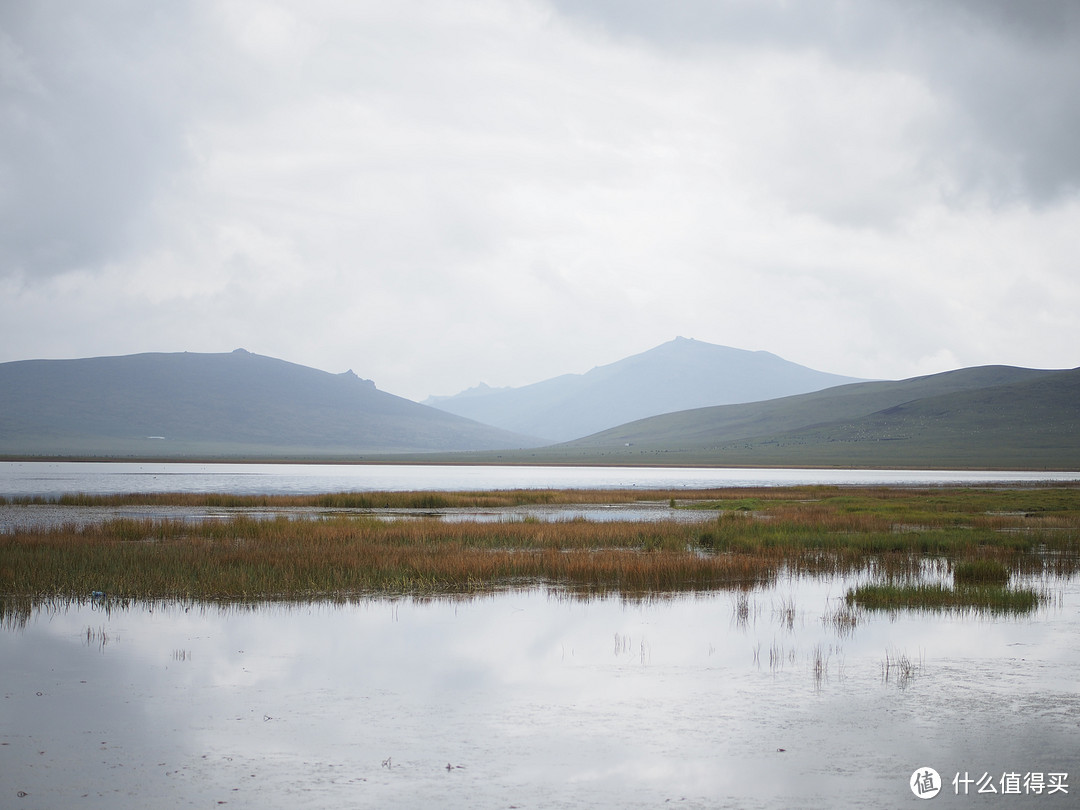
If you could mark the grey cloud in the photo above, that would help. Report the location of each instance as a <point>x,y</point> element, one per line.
<point>88,130</point>
<point>1039,20</point>
<point>1008,73</point>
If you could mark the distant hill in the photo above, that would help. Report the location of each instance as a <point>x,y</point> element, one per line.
<point>242,405</point>
<point>988,416</point>
<point>674,376</point>
<point>217,405</point>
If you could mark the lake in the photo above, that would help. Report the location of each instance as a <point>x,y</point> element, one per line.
<point>42,478</point>
<point>531,698</point>
<point>537,699</point>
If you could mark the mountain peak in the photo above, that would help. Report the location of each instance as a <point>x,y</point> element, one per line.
<point>680,374</point>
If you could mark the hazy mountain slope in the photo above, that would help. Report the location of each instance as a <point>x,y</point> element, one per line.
<point>1034,418</point>
<point>219,404</point>
<point>729,422</point>
<point>984,416</point>
<point>674,376</point>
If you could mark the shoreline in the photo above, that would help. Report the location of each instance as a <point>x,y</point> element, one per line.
<point>422,462</point>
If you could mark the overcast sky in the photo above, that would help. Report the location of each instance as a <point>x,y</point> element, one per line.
<point>436,193</point>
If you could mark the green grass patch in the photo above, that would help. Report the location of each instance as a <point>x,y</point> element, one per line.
<point>941,597</point>
<point>980,572</point>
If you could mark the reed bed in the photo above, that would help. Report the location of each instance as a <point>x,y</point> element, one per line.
<point>981,572</point>
<point>758,535</point>
<point>982,598</point>
<point>938,505</point>
<point>246,558</point>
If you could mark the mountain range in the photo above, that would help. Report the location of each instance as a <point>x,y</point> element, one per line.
<point>245,406</point>
<point>985,416</point>
<point>234,404</point>
<point>675,376</point>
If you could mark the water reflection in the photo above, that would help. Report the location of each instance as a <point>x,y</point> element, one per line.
<point>534,697</point>
<point>30,516</point>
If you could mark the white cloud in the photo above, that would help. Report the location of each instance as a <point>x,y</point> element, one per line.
<point>436,194</point>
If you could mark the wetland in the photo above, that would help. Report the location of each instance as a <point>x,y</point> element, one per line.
<point>751,646</point>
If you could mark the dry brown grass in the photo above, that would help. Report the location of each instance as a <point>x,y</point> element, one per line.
<point>758,535</point>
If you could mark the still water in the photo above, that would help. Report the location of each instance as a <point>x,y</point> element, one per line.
<point>57,478</point>
<point>534,699</point>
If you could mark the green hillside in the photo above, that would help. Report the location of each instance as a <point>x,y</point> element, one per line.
<point>990,416</point>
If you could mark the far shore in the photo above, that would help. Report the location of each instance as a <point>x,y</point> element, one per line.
<point>486,460</point>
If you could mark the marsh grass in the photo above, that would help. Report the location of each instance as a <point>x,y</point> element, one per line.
<point>757,536</point>
<point>899,668</point>
<point>786,613</point>
<point>820,658</point>
<point>975,572</point>
<point>744,610</point>
<point>982,598</point>
<point>779,655</point>
<point>97,637</point>
<point>245,558</point>
<point>843,619</point>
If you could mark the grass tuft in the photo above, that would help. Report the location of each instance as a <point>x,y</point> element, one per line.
<point>988,598</point>
<point>980,572</point>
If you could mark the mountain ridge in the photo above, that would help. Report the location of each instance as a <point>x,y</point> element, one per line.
<point>235,403</point>
<point>979,416</point>
<point>678,375</point>
<point>245,406</point>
